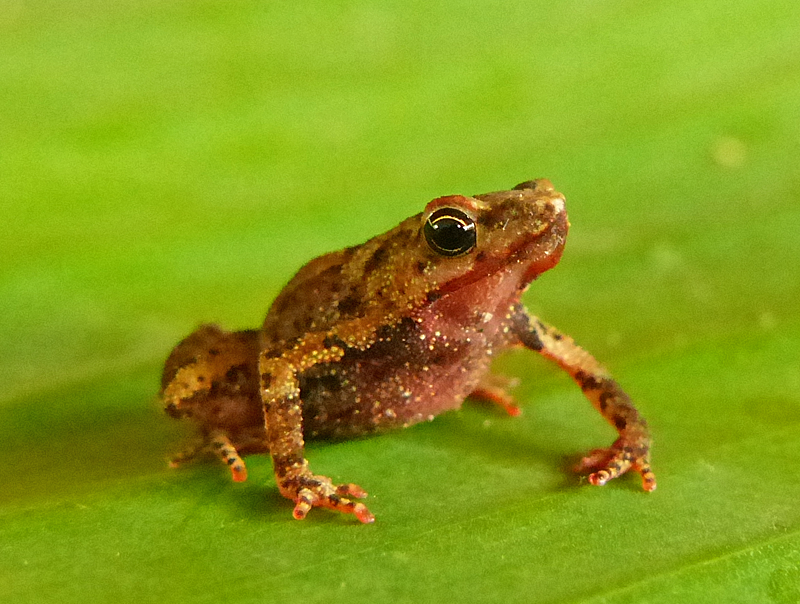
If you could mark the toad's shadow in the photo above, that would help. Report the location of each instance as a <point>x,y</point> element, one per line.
<point>74,438</point>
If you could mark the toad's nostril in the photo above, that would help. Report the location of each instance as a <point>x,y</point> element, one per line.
<point>540,185</point>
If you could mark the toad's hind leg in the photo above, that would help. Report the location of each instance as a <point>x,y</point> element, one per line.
<point>492,389</point>
<point>631,451</point>
<point>220,445</point>
<point>188,454</point>
<point>204,358</point>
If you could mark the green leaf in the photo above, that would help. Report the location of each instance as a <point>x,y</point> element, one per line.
<point>166,163</point>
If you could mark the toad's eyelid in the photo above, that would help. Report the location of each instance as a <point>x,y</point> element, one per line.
<point>468,205</point>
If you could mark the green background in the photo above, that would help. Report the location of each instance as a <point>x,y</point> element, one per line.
<point>164,163</point>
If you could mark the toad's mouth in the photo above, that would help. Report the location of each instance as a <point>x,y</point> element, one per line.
<point>527,258</point>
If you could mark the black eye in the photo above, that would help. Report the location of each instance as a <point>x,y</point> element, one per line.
<point>450,232</point>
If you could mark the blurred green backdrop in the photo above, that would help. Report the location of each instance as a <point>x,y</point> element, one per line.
<point>168,163</point>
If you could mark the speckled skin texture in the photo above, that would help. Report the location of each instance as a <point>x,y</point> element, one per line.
<point>387,334</point>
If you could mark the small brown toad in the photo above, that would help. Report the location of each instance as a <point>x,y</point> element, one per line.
<point>387,334</point>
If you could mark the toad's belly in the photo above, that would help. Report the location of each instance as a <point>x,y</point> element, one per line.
<point>400,381</point>
<point>343,408</point>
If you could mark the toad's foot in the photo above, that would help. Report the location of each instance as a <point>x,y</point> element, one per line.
<point>219,445</point>
<point>497,397</point>
<point>607,464</point>
<point>308,491</point>
<point>492,388</point>
<point>223,448</point>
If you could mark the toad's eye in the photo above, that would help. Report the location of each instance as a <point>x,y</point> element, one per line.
<point>450,232</point>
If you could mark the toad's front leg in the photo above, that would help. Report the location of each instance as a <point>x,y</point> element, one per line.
<point>632,449</point>
<point>283,415</point>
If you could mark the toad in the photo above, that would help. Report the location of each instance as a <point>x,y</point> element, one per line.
<point>387,334</point>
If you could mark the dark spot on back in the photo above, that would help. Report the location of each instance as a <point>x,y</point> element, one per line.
<point>332,273</point>
<point>284,302</point>
<point>349,305</point>
<point>378,257</point>
<point>279,346</point>
<point>236,373</point>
